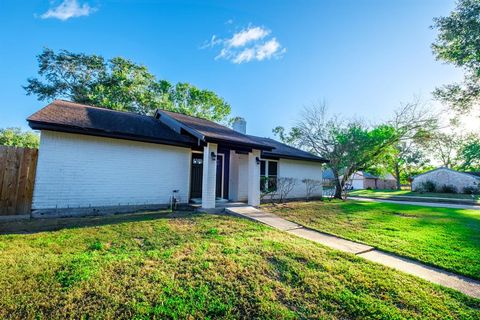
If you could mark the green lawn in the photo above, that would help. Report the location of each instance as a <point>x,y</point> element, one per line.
<point>405,193</point>
<point>448,238</point>
<point>203,266</point>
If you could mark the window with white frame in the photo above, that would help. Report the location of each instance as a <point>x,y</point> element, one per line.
<point>268,175</point>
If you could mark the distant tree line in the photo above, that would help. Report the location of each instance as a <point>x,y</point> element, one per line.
<point>17,137</point>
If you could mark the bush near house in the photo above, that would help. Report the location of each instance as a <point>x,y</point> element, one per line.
<point>427,186</point>
<point>471,190</point>
<point>448,188</point>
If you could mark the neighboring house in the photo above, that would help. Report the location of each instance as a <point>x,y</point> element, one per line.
<point>328,177</point>
<point>365,180</point>
<point>447,177</point>
<point>95,160</point>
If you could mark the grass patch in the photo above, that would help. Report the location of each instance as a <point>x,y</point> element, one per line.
<point>204,266</point>
<point>385,194</point>
<point>444,237</point>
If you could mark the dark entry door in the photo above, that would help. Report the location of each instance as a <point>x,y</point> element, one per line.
<point>196,176</point>
<point>219,182</point>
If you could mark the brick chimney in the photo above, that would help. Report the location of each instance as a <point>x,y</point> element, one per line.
<point>239,125</point>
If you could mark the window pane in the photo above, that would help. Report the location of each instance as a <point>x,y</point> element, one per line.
<point>263,183</point>
<point>272,168</point>
<point>262,167</point>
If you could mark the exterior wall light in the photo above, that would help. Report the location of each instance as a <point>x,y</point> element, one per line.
<point>258,160</point>
<point>213,155</point>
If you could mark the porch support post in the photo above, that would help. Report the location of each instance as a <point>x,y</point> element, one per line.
<point>253,178</point>
<point>209,180</point>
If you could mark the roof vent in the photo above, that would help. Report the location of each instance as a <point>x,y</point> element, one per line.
<point>240,125</point>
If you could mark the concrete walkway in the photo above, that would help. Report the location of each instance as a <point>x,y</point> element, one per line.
<point>463,284</point>
<point>418,203</point>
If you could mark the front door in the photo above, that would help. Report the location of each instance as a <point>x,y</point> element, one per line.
<point>219,182</point>
<point>196,176</point>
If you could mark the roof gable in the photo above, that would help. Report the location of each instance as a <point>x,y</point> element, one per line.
<point>210,131</point>
<point>470,174</point>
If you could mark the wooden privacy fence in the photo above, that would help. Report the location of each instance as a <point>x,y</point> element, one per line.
<point>17,177</point>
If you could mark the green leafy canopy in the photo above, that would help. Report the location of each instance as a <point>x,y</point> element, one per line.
<point>458,43</point>
<point>119,84</point>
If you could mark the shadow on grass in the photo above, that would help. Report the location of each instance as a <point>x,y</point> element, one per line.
<point>53,224</point>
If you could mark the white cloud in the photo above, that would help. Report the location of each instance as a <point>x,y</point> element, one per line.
<point>244,56</point>
<point>245,36</point>
<point>249,44</point>
<point>269,49</point>
<point>68,9</point>
<point>214,40</point>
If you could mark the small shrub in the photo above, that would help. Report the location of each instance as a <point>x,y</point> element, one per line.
<point>369,188</point>
<point>471,190</point>
<point>428,186</point>
<point>448,188</point>
<point>310,186</point>
<point>284,186</point>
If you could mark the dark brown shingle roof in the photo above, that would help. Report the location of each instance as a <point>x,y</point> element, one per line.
<point>215,132</point>
<point>78,118</point>
<point>282,150</point>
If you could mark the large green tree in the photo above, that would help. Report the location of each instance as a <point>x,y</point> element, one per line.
<point>15,137</point>
<point>415,125</point>
<point>119,84</point>
<point>469,153</point>
<point>458,43</point>
<point>350,145</point>
<point>444,148</point>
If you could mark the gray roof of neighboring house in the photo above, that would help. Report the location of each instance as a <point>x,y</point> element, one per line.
<point>473,173</point>
<point>328,174</point>
<point>78,118</point>
<point>469,173</point>
<point>369,175</point>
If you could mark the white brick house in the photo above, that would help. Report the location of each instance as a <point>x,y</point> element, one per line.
<point>447,177</point>
<point>94,160</point>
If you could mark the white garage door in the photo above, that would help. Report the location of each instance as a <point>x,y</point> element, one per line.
<point>357,184</point>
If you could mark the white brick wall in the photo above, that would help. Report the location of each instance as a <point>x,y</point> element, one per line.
<point>82,171</point>
<point>300,170</point>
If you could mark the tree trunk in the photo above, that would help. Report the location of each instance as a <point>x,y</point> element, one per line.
<point>397,176</point>
<point>338,185</point>
<point>338,189</point>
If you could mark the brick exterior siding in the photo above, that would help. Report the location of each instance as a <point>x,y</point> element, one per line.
<point>86,171</point>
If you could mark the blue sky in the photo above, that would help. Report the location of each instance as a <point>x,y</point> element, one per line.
<point>363,57</point>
